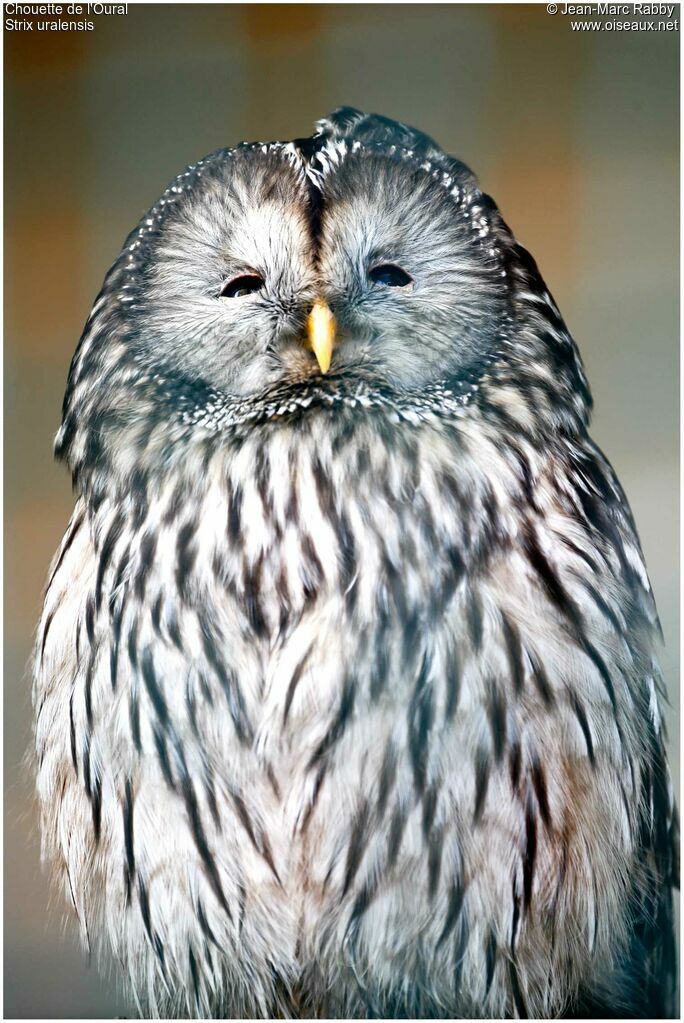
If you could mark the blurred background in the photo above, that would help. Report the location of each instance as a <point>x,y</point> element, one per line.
<point>575,134</point>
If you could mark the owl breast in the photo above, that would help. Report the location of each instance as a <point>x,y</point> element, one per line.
<point>299,716</point>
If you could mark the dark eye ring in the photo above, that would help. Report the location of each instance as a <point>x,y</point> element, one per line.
<point>390,276</point>
<point>244,284</point>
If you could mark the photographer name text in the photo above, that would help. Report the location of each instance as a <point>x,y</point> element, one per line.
<point>617,10</point>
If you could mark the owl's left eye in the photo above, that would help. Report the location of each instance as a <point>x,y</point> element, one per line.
<point>245,284</point>
<point>390,275</point>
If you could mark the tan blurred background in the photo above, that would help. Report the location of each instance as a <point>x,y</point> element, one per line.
<point>574,134</point>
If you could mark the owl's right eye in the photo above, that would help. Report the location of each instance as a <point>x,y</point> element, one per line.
<point>244,284</point>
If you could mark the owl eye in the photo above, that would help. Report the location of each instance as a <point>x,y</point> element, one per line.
<point>390,276</point>
<point>243,285</point>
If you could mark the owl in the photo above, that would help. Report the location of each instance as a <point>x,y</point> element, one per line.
<point>346,691</point>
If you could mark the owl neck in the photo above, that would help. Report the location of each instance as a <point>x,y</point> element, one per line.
<point>343,500</point>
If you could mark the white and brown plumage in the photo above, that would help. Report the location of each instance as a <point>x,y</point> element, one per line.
<point>345,686</point>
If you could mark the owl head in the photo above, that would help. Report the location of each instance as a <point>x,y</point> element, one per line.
<point>360,261</point>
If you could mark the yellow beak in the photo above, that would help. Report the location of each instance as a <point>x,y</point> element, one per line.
<point>320,329</point>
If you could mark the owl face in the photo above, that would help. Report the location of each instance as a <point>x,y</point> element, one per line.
<point>415,292</point>
<point>277,278</point>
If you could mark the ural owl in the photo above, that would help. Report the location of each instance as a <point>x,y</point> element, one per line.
<point>346,700</point>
